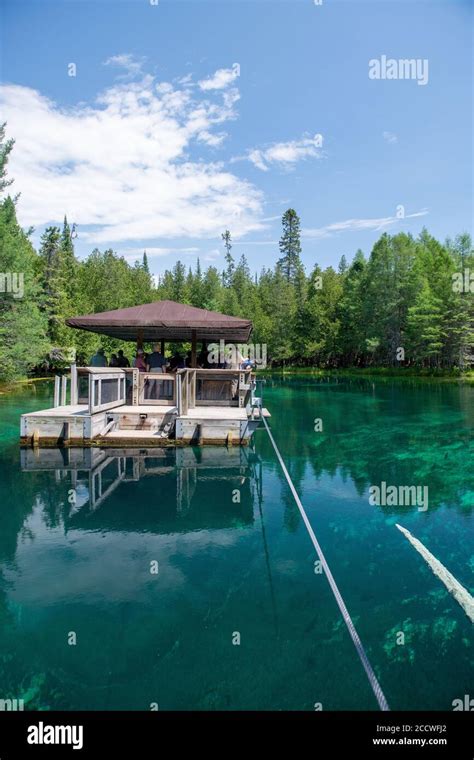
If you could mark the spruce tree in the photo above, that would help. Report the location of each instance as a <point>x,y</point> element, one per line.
<point>5,150</point>
<point>228,274</point>
<point>290,245</point>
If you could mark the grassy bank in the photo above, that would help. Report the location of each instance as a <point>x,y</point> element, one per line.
<point>15,385</point>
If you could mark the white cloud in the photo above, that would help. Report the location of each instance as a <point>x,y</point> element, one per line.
<point>131,65</point>
<point>211,256</point>
<point>354,225</point>
<point>285,154</point>
<point>256,242</point>
<point>390,137</point>
<point>221,79</point>
<point>122,166</point>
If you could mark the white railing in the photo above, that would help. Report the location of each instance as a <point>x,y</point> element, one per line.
<point>157,388</point>
<point>106,389</point>
<point>213,387</point>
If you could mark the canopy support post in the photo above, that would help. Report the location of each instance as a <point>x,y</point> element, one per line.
<point>193,349</point>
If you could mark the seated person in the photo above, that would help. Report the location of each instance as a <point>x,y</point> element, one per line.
<point>113,361</point>
<point>99,359</point>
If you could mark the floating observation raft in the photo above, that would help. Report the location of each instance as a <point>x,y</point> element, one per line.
<point>105,406</point>
<point>125,407</point>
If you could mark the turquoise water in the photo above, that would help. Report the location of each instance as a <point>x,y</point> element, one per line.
<point>80,531</point>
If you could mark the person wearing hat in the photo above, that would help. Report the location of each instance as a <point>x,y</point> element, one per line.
<point>139,362</point>
<point>99,359</point>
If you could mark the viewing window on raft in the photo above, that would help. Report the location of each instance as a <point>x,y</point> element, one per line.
<point>83,389</point>
<point>110,391</point>
<point>156,390</point>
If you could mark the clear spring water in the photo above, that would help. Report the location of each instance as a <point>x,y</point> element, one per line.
<point>76,553</point>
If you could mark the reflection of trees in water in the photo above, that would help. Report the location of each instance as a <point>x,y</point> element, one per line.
<point>17,501</point>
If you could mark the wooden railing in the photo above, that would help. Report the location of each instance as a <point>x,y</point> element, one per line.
<point>213,387</point>
<point>103,388</point>
<point>157,388</point>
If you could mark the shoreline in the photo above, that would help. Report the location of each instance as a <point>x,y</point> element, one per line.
<point>376,373</point>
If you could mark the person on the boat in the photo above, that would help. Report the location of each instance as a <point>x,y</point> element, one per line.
<point>202,359</point>
<point>113,361</point>
<point>99,359</point>
<point>156,362</point>
<point>177,361</point>
<point>122,360</point>
<point>140,362</point>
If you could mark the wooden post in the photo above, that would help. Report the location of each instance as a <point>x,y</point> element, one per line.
<point>57,381</point>
<point>63,390</point>
<point>193,349</point>
<point>163,347</point>
<point>90,393</point>
<point>135,387</point>
<point>179,397</point>
<point>73,384</point>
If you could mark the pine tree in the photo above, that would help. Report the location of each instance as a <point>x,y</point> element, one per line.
<point>180,291</point>
<point>228,274</point>
<point>425,327</point>
<point>54,279</point>
<point>343,265</point>
<point>23,340</point>
<point>290,245</point>
<point>299,322</point>
<point>211,290</point>
<point>196,287</point>
<point>5,150</point>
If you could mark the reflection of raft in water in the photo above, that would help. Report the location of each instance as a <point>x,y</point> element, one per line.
<point>157,490</point>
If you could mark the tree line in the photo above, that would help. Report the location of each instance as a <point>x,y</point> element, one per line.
<point>408,303</point>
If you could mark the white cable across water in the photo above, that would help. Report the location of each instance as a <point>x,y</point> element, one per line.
<point>376,688</point>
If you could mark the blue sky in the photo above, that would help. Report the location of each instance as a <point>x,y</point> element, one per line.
<point>186,118</point>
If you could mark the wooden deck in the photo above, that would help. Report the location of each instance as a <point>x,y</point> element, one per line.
<point>215,413</point>
<point>62,411</point>
<point>126,408</point>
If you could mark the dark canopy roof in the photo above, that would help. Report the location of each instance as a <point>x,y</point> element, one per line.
<point>165,320</point>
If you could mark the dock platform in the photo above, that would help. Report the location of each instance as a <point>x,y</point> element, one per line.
<point>121,407</point>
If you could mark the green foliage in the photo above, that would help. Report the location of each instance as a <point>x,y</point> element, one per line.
<point>401,297</point>
<point>5,150</point>
<point>23,327</point>
<point>290,245</point>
